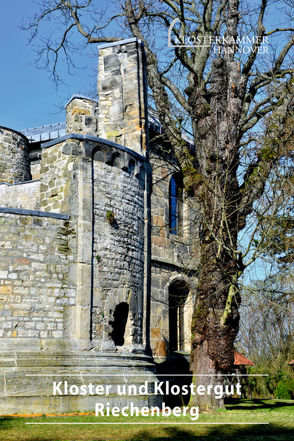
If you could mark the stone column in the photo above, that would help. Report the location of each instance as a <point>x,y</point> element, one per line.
<point>122,94</point>
<point>83,267</point>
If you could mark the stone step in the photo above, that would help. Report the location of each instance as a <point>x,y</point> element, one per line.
<point>27,381</point>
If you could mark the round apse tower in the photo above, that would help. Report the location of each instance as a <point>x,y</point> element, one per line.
<point>14,156</point>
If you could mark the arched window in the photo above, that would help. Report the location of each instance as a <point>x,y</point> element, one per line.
<point>176,205</point>
<point>178,293</point>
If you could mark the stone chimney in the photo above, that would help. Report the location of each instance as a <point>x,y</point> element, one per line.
<point>122,93</point>
<point>81,116</point>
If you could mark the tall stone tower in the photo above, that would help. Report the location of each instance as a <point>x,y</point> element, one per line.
<point>122,94</point>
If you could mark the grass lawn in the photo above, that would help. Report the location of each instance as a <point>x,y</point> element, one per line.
<point>279,414</point>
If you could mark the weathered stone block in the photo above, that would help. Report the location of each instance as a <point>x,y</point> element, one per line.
<point>71,148</point>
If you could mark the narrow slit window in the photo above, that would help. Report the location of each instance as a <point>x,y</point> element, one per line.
<point>176,205</point>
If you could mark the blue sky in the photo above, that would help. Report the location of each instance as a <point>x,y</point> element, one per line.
<point>29,97</point>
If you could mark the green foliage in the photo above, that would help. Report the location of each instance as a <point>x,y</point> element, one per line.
<point>266,332</point>
<point>199,315</point>
<point>268,153</point>
<point>192,178</point>
<point>285,389</point>
<point>110,217</point>
<point>279,383</point>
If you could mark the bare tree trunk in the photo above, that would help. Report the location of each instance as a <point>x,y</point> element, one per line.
<point>213,343</point>
<point>216,317</point>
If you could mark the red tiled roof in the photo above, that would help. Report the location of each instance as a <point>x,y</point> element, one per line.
<point>240,360</point>
<point>291,363</point>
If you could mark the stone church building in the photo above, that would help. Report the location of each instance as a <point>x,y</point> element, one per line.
<point>97,252</point>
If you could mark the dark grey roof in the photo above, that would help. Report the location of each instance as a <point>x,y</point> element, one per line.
<point>54,131</point>
<point>45,133</point>
<point>117,43</point>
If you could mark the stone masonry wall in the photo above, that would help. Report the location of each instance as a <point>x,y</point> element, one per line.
<point>35,254</point>
<point>57,177</point>
<point>25,195</point>
<point>118,248</point>
<point>122,95</point>
<point>174,257</point>
<point>35,170</point>
<point>82,116</point>
<point>14,158</point>
<point>163,275</point>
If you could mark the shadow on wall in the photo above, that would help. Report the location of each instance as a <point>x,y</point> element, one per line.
<point>169,370</point>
